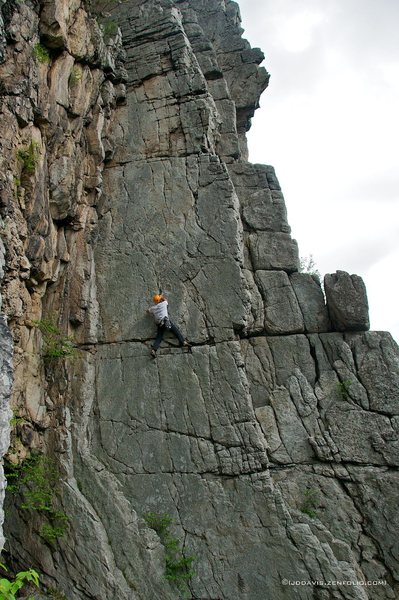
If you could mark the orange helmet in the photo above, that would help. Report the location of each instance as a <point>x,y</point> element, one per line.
<point>157,298</point>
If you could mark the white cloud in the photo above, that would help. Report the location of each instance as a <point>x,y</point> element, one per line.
<point>328,124</point>
<point>297,29</point>
<point>380,302</point>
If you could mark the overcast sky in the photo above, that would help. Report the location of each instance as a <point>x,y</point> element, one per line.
<point>329,125</point>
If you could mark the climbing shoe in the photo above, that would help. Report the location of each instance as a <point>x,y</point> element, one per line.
<point>187,345</point>
<point>153,353</point>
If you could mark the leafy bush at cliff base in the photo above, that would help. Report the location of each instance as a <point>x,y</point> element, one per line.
<point>37,480</point>
<point>178,567</point>
<point>10,587</point>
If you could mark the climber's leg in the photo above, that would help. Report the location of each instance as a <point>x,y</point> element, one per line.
<point>174,328</point>
<point>158,339</point>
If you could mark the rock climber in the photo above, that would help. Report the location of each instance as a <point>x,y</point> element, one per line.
<point>160,313</point>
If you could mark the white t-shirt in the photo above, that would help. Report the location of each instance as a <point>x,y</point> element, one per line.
<point>159,311</point>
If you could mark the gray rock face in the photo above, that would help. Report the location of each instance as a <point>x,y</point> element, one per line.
<point>274,444</point>
<point>282,312</point>
<point>273,251</point>
<point>347,302</point>
<point>311,302</point>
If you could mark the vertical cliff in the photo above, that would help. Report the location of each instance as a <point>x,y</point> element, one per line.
<point>274,444</point>
<point>6,378</point>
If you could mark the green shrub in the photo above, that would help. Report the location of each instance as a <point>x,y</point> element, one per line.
<point>108,27</point>
<point>56,344</point>
<point>52,533</point>
<point>310,503</point>
<point>55,594</point>
<point>15,419</point>
<point>37,477</point>
<point>29,157</point>
<point>37,480</point>
<point>178,567</point>
<point>41,54</point>
<point>10,587</point>
<point>308,265</point>
<point>159,522</point>
<point>75,76</point>
<point>343,389</point>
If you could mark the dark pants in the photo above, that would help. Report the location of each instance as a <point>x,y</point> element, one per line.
<point>161,330</point>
